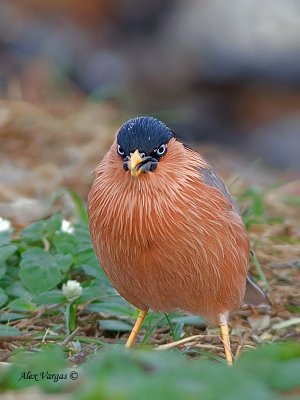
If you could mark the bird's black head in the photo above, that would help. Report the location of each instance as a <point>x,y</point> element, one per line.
<point>141,142</point>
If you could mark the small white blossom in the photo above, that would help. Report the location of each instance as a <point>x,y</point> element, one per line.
<point>5,225</point>
<point>72,290</point>
<point>66,226</point>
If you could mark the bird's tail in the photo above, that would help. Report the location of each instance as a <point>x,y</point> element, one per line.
<point>254,295</point>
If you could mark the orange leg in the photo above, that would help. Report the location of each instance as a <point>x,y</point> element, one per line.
<point>136,328</point>
<point>225,338</point>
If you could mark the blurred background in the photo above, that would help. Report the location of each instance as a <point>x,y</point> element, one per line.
<point>225,77</point>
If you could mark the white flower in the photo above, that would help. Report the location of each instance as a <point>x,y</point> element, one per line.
<point>66,226</point>
<point>72,290</point>
<point>5,225</point>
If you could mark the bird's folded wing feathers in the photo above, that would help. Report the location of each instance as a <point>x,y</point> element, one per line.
<point>211,178</point>
<point>254,295</point>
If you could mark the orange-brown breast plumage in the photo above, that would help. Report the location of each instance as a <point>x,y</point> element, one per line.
<point>166,239</point>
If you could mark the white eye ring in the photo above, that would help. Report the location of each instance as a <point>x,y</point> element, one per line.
<point>160,151</point>
<point>120,150</point>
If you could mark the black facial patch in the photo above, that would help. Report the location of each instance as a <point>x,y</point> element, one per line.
<point>143,133</point>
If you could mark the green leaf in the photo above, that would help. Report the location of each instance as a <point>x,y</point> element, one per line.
<point>277,365</point>
<point>6,251</point>
<point>292,308</point>
<point>65,243</point>
<point>8,316</point>
<point>82,233</point>
<point>87,260</point>
<point>16,289</point>
<point>190,320</point>
<point>34,232</point>
<point>6,330</point>
<point>22,305</point>
<point>116,307</point>
<point>37,230</point>
<point>3,269</point>
<point>12,271</point>
<point>177,331</point>
<point>51,297</point>
<point>5,237</point>
<point>40,271</point>
<point>63,262</point>
<point>88,294</point>
<point>115,325</point>
<point>53,224</point>
<point>3,297</point>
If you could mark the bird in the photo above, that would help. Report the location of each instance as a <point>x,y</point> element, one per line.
<point>166,231</point>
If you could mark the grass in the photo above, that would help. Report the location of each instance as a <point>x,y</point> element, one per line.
<point>38,316</point>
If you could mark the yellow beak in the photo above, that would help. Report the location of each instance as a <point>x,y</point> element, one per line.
<point>134,161</point>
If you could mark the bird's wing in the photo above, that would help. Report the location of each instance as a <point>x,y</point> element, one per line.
<point>211,178</point>
<point>254,295</point>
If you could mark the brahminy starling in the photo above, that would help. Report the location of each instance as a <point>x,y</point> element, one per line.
<point>166,230</point>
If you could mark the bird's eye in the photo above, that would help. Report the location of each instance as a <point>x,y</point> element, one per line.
<point>160,151</point>
<point>121,151</point>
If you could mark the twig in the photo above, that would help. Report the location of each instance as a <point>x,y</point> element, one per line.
<point>238,352</point>
<point>190,339</point>
<point>46,244</point>
<point>69,338</point>
<point>207,346</point>
<point>20,338</point>
<point>13,338</point>
<point>36,316</point>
